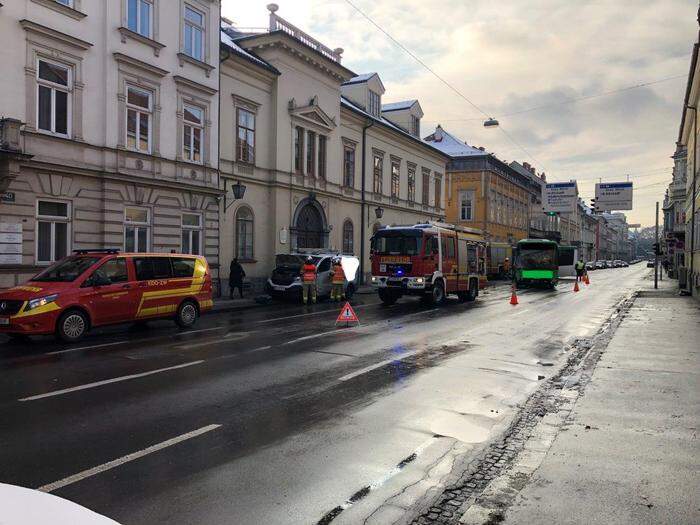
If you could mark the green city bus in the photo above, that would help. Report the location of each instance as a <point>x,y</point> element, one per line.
<point>536,263</point>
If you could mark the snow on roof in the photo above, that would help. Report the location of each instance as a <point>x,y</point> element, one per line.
<point>350,104</point>
<point>396,106</point>
<point>451,145</point>
<point>228,40</point>
<point>359,79</point>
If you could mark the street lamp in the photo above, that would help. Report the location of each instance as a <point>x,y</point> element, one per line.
<point>490,123</point>
<point>238,191</point>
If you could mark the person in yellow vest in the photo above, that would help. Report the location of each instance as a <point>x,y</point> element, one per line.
<point>337,280</point>
<point>580,269</point>
<point>308,281</point>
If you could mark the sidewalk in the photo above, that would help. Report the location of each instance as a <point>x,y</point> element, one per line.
<point>628,452</point>
<point>251,300</point>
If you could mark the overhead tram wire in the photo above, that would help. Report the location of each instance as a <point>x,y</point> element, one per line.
<point>445,82</point>
<point>577,99</point>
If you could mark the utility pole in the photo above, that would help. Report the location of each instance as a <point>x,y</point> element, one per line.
<point>656,249</point>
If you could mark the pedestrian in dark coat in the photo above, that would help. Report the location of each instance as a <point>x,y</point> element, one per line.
<point>235,277</point>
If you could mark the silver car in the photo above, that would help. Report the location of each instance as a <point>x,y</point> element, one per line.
<point>285,280</point>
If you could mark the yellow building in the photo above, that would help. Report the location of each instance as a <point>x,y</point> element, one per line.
<point>484,192</point>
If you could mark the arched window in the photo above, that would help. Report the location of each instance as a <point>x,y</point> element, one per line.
<point>244,233</point>
<point>348,236</point>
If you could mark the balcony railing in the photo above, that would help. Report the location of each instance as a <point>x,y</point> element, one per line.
<point>279,24</point>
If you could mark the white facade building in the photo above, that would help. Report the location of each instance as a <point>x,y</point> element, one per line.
<point>323,163</point>
<point>109,135</point>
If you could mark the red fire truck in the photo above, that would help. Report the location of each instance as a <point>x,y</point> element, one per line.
<point>430,260</point>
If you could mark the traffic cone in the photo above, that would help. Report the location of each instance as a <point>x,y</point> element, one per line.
<point>586,279</point>
<point>576,286</point>
<point>513,296</point>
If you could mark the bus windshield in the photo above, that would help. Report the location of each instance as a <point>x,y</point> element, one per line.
<point>537,257</point>
<point>397,242</point>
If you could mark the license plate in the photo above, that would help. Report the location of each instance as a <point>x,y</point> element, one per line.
<point>4,321</point>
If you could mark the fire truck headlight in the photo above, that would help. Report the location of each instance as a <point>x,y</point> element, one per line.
<point>40,301</point>
<point>374,279</point>
<point>419,280</point>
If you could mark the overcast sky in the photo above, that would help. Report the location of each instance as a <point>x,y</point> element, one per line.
<point>507,56</point>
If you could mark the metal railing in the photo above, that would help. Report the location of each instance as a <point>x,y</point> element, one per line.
<point>280,24</point>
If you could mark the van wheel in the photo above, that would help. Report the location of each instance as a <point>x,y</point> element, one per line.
<point>72,326</point>
<point>187,314</point>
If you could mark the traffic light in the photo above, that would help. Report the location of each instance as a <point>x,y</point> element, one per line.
<point>594,208</point>
<point>657,248</point>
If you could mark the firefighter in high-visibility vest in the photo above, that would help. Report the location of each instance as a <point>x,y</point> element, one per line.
<point>308,281</point>
<point>337,280</point>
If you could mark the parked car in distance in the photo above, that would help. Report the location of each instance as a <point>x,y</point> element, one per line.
<point>590,266</point>
<point>100,287</point>
<point>650,263</point>
<point>285,280</point>
<point>599,265</point>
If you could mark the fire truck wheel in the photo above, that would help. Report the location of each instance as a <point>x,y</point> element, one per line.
<point>187,314</point>
<point>473,291</point>
<point>387,297</point>
<point>72,326</point>
<point>438,294</point>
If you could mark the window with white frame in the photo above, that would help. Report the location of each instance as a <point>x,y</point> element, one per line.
<point>194,33</point>
<point>374,104</point>
<point>52,231</point>
<point>137,227</point>
<point>415,126</point>
<point>139,113</point>
<point>466,205</point>
<point>245,137</point>
<point>53,97</point>
<point>192,233</point>
<point>244,234</point>
<point>411,183</point>
<point>139,17</point>
<point>193,133</point>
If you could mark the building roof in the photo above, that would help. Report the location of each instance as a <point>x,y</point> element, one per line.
<point>451,145</point>
<point>228,37</point>
<point>365,77</point>
<point>398,106</point>
<point>349,104</point>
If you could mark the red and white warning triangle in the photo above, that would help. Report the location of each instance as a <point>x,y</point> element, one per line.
<point>347,315</point>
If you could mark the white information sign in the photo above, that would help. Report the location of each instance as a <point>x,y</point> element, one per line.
<point>560,197</point>
<point>10,243</point>
<point>610,196</point>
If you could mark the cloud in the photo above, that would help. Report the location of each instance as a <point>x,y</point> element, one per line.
<point>511,55</point>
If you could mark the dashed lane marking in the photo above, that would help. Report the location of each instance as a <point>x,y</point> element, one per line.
<point>134,341</point>
<point>125,459</point>
<point>107,382</point>
<point>366,369</point>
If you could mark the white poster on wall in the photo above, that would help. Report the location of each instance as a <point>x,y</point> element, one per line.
<point>10,243</point>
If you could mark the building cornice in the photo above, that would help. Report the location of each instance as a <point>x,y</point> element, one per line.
<point>127,33</point>
<point>138,64</point>
<point>38,29</point>
<point>186,82</point>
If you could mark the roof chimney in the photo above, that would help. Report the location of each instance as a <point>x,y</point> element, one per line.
<point>526,165</point>
<point>482,148</point>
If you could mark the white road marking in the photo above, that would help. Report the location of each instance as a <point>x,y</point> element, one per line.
<point>311,313</point>
<point>107,382</point>
<point>102,345</point>
<point>378,365</point>
<point>125,459</point>
<point>312,336</point>
<point>231,337</point>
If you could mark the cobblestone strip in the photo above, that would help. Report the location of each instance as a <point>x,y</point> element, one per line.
<point>501,454</point>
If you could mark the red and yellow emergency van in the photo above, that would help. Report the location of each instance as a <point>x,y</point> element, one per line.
<point>100,287</point>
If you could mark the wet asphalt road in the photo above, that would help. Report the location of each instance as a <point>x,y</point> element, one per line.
<point>276,415</point>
